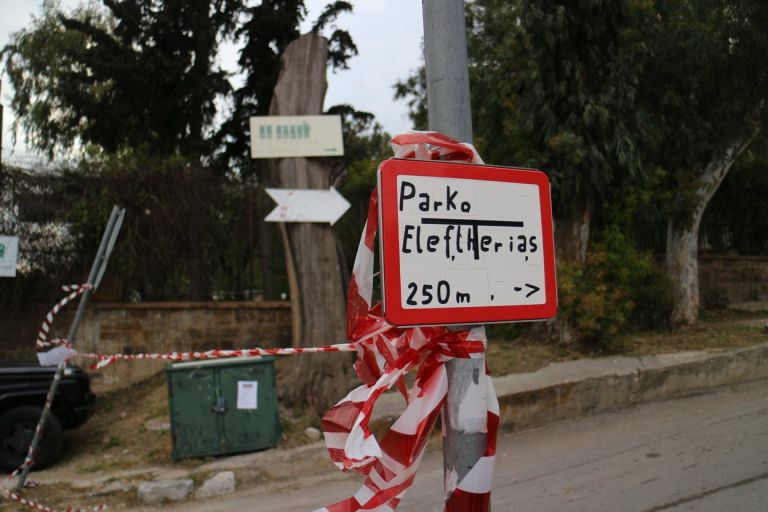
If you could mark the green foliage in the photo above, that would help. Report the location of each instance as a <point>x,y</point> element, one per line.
<point>708,79</point>
<point>142,74</point>
<point>610,96</point>
<point>705,92</point>
<point>38,85</point>
<point>341,47</point>
<point>616,287</point>
<point>177,238</point>
<point>135,73</point>
<point>366,145</point>
<point>555,85</point>
<point>413,90</point>
<point>503,332</point>
<point>741,230</point>
<point>266,30</point>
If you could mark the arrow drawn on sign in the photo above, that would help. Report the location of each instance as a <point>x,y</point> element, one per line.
<point>307,205</point>
<point>533,288</point>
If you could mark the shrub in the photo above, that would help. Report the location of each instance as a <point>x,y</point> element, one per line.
<point>617,287</point>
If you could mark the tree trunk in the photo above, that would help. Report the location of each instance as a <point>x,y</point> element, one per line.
<point>692,197</point>
<point>263,205</point>
<point>683,269</point>
<point>318,380</point>
<point>572,230</point>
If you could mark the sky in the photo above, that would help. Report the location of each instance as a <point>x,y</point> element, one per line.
<point>387,33</point>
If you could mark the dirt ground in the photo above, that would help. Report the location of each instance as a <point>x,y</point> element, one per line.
<point>128,431</point>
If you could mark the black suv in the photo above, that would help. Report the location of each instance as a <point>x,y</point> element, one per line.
<point>23,388</point>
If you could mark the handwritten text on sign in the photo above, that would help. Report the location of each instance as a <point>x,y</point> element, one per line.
<point>470,243</point>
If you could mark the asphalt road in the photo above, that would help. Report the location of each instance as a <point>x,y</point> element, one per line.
<point>707,453</point>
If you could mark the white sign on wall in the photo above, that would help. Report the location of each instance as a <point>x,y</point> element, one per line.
<point>465,244</point>
<point>9,252</point>
<point>296,136</point>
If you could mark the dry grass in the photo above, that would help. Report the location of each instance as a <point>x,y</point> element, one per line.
<point>116,437</point>
<point>720,330</point>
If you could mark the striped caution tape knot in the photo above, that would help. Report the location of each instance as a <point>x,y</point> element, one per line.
<point>73,291</point>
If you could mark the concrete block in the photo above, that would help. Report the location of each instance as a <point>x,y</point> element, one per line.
<point>219,484</point>
<point>158,424</point>
<point>158,491</point>
<point>110,488</point>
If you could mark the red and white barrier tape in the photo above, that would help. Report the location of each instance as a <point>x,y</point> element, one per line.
<point>60,344</point>
<point>44,508</point>
<point>74,291</point>
<point>105,360</point>
<point>41,342</point>
<point>385,355</point>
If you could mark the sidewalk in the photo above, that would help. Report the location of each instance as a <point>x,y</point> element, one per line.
<point>558,392</point>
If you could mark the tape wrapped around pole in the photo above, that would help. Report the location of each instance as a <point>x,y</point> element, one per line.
<point>385,355</point>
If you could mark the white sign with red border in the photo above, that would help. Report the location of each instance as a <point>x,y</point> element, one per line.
<point>465,244</point>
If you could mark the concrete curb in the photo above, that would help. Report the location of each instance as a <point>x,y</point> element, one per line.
<point>588,386</point>
<point>570,390</point>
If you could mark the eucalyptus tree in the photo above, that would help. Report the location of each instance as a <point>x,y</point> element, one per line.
<point>706,90</point>
<point>555,85</point>
<point>604,95</point>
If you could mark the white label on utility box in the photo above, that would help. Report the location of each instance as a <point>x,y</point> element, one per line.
<point>247,394</point>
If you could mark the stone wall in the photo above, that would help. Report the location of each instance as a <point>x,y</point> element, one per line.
<point>178,326</point>
<point>725,280</point>
<point>129,328</point>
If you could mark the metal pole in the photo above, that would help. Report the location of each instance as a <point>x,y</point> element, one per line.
<point>99,263</point>
<point>447,63</point>
<point>464,414</point>
<point>97,270</point>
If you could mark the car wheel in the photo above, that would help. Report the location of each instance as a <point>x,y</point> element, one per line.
<point>17,428</point>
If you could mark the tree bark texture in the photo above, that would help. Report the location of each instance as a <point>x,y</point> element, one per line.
<point>572,229</point>
<point>318,380</point>
<point>692,197</point>
<point>262,206</point>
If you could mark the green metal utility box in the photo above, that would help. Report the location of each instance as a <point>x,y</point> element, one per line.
<point>222,406</point>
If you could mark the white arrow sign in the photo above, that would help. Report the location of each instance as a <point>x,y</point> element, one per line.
<point>306,205</point>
